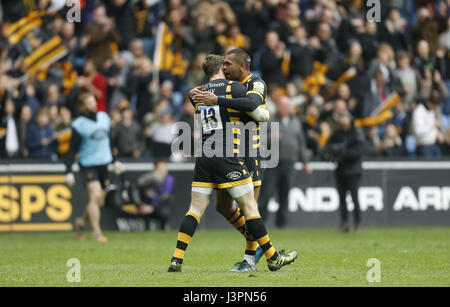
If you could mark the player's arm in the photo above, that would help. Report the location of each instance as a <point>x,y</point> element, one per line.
<point>118,167</point>
<point>239,102</point>
<point>195,91</point>
<point>242,101</point>
<point>75,142</point>
<point>254,100</point>
<point>244,104</point>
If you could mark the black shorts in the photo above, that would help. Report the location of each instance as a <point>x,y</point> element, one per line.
<point>220,173</point>
<point>256,172</point>
<point>94,173</point>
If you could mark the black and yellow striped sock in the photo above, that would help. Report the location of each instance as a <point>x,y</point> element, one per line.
<point>187,230</point>
<point>257,229</point>
<point>250,247</point>
<point>237,219</point>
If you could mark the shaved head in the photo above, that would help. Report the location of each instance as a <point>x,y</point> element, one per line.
<point>241,56</point>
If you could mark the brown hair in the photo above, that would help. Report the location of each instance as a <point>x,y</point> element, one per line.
<point>212,64</point>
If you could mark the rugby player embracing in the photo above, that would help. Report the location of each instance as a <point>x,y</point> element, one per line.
<point>237,67</point>
<point>227,173</point>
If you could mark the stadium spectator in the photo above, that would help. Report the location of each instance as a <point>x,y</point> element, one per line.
<point>395,32</point>
<point>353,60</point>
<point>290,21</point>
<point>443,57</point>
<point>40,136</point>
<point>445,37</point>
<point>196,75</point>
<point>311,128</point>
<point>345,93</point>
<point>9,133</point>
<point>272,59</point>
<point>93,81</point>
<point>426,29</point>
<point>370,40</point>
<point>141,86</point>
<point>205,35</point>
<point>162,131</point>
<point>427,126</point>
<point>121,11</point>
<point>145,15</point>
<point>24,119</point>
<point>292,148</point>
<point>166,93</point>
<point>426,129</point>
<point>302,54</point>
<point>115,92</point>
<point>53,115</point>
<point>216,11</point>
<point>373,142</point>
<point>339,108</point>
<point>424,60</point>
<point>69,38</point>
<point>434,85</point>
<point>115,114</point>
<point>392,144</point>
<point>292,92</point>
<point>176,49</point>
<point>187,117</point>
<point>102,35</point>
<point>135,52</point>
<point>126,136</point>
<point>30,97</point>
<point>53,96</point>
<point>409,79</point>
<point>328,44</point>
<point>156,200</point>
<point>233,39</point>
<point>254,19</point>
<point>377,92</point>
<point>63,131</point>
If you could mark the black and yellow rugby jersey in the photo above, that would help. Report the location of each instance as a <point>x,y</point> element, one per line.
<point>213,119</point>
<point>257,90</point>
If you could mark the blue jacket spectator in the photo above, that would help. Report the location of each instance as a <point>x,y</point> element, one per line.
<point>39,137</point>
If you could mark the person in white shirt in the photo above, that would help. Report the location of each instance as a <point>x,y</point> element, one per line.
<point>9,138</point>
<point>162,132</point>
<point>426,129</point>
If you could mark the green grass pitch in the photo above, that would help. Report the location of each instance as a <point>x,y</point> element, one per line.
<point>408,257</point>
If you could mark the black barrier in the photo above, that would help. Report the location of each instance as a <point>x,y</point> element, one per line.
<point>34,197</point>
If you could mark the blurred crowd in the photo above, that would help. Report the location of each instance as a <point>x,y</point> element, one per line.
<point>325,56</point>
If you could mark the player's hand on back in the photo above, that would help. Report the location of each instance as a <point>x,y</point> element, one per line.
<point>194,91</point>
<point>205,98</point>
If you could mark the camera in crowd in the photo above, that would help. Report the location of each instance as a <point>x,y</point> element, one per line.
<point>128,192</point>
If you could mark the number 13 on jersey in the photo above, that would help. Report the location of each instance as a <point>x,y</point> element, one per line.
<point>211,119</point>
